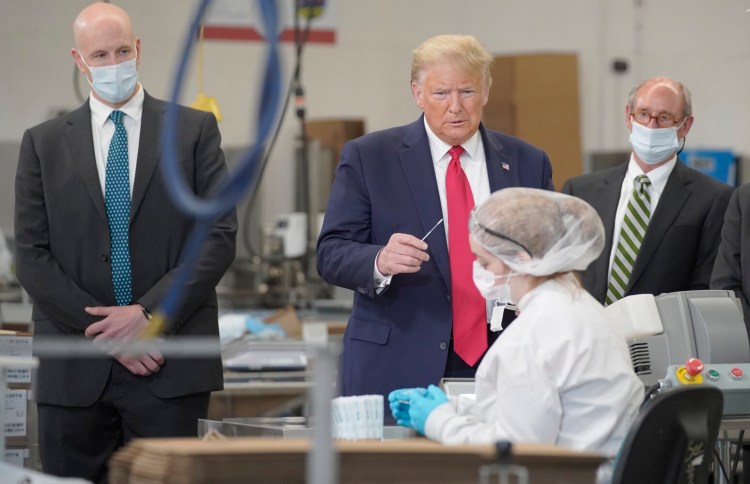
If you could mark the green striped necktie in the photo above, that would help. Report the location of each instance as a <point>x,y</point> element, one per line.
<point>634,225</point>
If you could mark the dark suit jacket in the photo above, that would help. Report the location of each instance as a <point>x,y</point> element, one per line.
<point>678,251</point>
<point>385,183</point>
<point>63,246</point>
<point>732,266</point>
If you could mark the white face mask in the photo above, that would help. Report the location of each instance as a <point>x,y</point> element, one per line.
<point>485,282</point>
<point>653,145</point>
<point>114,83</point>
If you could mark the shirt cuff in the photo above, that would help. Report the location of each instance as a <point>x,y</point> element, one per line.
<point>381,281</point>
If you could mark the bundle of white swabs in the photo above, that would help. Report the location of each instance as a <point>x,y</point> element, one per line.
<point>358,417</point>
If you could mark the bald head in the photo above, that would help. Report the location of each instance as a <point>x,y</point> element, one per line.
<point>657,103</point>
<point>104,37</point>
<point>667,87</point>
<point>99,17</point>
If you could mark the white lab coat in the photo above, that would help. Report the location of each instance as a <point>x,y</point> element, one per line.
<point>560,374</point>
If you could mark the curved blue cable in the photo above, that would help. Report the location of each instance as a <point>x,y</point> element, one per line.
<point>225,196</point>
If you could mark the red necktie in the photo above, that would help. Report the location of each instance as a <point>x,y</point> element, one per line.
<point>469,310</point>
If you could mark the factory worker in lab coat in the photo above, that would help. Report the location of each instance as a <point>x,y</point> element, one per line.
<point>560,374</point>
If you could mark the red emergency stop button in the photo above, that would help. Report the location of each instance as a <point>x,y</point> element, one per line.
<point>693,367</point>
<point>735,373</point>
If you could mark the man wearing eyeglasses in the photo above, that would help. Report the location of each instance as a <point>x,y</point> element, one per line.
<point>662,219</point>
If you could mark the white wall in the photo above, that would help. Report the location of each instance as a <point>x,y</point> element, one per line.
<point>706,44</point>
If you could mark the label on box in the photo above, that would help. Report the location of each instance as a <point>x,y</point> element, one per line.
<point>15,413</point>
<point>19,346</point>
<point>16,456</point>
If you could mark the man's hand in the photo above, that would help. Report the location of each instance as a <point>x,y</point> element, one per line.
<point>142,365</point>
<point>121,325</point>
<point>404,253</point>
<point>118,323</point>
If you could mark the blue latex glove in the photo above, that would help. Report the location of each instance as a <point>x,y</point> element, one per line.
<point>421,406</point>
<point>256,326</point>
<point>399,402</point>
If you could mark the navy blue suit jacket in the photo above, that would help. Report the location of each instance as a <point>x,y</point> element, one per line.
<point>385,183</point>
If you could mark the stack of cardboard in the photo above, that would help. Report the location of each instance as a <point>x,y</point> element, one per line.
<point>535,97</point>
<point>20,433</point>
<point>268,460</point>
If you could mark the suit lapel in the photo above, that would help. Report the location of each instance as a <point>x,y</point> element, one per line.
<point>149,150</point>
<point>416,160</point>
<point>80,141</point>
<point>501,168</point>
<point>606,200</point>
<point>670,204</point>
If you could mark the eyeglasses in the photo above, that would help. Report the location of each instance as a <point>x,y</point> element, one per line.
<point>663,120</point>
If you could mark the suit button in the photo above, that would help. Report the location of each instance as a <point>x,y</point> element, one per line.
<point>448,297</point>
<point>443,345</point>
<point>105,257</point>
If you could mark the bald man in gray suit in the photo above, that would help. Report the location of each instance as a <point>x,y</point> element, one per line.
<point>687,207</point>
<point>88,407</point>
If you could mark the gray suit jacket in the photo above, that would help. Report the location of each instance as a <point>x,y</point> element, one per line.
<point>680,245</point>
<point>732,267</point>
<point>63,246</point>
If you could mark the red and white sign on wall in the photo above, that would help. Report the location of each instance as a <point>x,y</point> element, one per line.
<point>241,20</point>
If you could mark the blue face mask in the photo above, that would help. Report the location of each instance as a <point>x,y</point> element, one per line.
<point>114,83</point>
<point>653,145</point>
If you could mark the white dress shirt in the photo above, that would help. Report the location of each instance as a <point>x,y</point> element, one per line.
<point>103,129</point>
<point>474,164</point>
<point>658,178</point>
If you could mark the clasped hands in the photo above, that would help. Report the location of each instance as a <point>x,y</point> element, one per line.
<point>412,406</point>
<point>120,326</point>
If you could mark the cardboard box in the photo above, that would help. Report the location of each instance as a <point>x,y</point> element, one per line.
<point>257,399</point>
<point>27,457</point>
<point>17,456</point>
<point>267,460</point>
<point>334,133</point>
<point>20,418</point>
<point>535,97</point>
<point>16,344</point>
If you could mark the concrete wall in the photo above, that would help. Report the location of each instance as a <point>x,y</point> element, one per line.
<point>706,44</point>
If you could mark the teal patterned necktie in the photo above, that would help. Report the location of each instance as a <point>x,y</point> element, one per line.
<point>634,225</point>
<point>117,200</point>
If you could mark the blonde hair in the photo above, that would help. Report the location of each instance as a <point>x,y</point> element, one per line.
<point>466,50</point>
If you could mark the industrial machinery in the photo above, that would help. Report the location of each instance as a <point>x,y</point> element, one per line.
<point>733,379</point>
<point>694,324</point>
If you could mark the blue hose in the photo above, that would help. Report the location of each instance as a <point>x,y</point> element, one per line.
<point>227,194</point>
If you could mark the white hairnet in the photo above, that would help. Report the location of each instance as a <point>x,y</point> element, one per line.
<point>538,232</point>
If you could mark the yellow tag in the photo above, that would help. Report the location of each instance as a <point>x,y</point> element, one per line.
<point>207,103</point>
<point>156,326</point>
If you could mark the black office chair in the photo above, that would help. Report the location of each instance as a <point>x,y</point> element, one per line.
<point>672,438</point>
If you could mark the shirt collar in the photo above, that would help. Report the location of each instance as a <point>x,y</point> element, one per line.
<point>657,176</point>
<point>133,108</point>
<point>439,148</point>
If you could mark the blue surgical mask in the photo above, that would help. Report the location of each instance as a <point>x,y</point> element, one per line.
<point>653,145</point>
<point>114,83</point>
<point>485,282</point>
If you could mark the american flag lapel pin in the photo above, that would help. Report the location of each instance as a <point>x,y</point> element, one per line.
<point>506,166</point>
